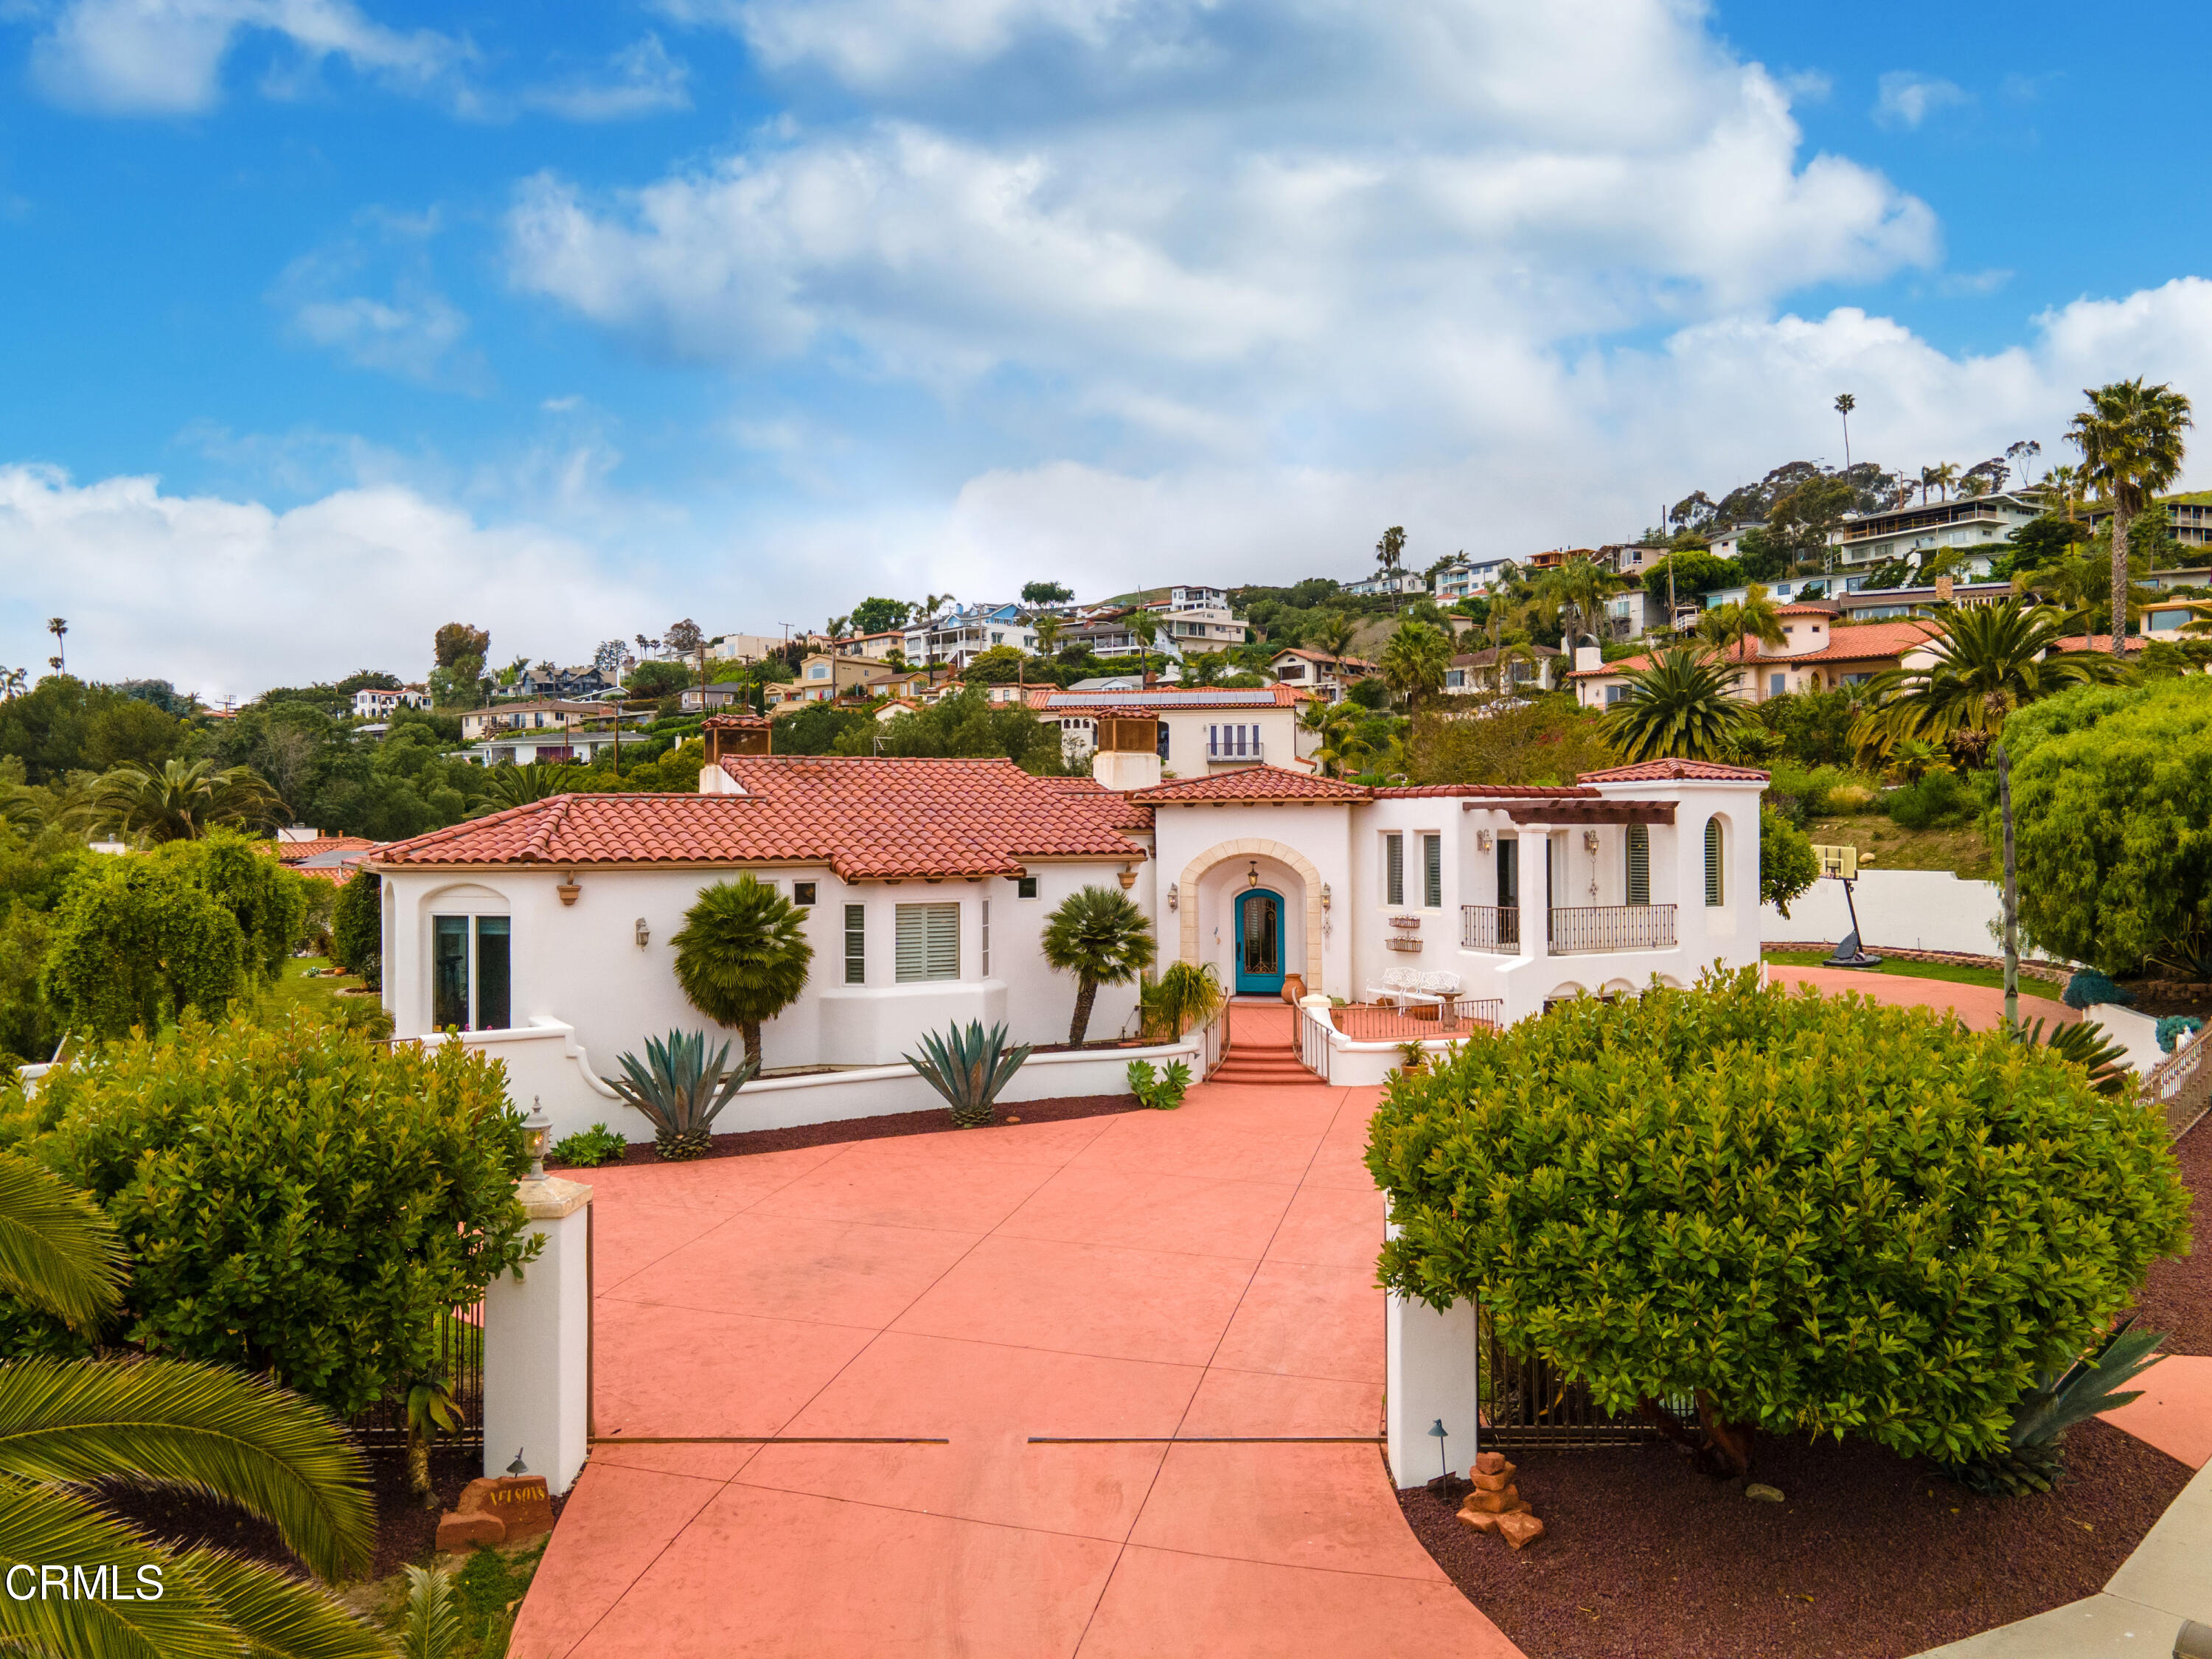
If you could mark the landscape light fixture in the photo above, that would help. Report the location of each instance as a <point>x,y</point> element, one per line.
<point>1173,895</point>
<point>536,1129</point>
<point>518,1468</point>
<point>644,933</point>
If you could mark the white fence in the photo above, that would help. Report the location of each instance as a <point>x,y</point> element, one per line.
<point>1910,909</point>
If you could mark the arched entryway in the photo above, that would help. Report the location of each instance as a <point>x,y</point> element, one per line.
<point>1258,942</point>
<point>1281,869</point>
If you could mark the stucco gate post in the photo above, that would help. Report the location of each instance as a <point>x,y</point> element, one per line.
<point>538,1341</point>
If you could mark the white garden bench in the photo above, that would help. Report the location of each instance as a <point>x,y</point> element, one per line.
<point>1414,987</point>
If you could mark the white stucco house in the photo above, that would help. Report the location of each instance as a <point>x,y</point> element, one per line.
<point>543,933</point>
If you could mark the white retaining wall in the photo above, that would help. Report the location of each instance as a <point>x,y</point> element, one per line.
<point>1911,910</point>
<point>546,1063</point>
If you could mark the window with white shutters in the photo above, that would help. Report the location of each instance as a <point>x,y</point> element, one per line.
<point>928,946</point>
<point>1393,869</point>
<point>1432,873</point>
<point>1639,864</point>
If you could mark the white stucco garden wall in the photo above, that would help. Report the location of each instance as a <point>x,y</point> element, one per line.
<point>1909,910</point>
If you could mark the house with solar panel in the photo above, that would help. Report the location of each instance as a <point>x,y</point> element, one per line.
<point>542,934</point>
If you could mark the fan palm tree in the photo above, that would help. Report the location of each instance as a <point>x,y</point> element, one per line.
<point>1581,586</point>
<point>1989,660</point>
<point>71,1428</point>
<point>742,957</point>
<point>185,799</point>
<point>1680,707</point>
<point>2062,486</point>
<point>1337,727</point>
<point>1945,476</point>
<point>1102,938</point>
<point>1416,661</point>
<point>12,683</point>
<point>2131,448</point>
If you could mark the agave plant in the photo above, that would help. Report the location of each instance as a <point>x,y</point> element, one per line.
<point>2090,1386</point>
<point>970,1068</point>
<point>682,1091</point>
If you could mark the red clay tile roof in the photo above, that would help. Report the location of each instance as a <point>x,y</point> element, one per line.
<point>1661,771</point>
<point>863,817</point>
<point>294,852</point>
<point>1483,791</point>
<point>1864,642</point>
<point>1252,783</point>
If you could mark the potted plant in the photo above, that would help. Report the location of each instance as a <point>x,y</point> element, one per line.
<point>1412,1059</point>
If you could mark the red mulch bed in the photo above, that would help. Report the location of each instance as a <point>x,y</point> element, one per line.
<point>405,1532</point>
<point>2177,1295</point>
<point>937,1120</point>
<point>1870,1556</point>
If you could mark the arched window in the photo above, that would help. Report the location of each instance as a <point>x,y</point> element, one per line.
<point>1715,892</point>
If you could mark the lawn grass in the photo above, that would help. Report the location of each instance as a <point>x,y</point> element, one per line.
<point>293,987</point>
<point>1956,973</point>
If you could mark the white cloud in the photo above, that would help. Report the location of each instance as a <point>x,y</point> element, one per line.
<point>642,79</point>
<point>1905,100</point>
<point>165,56</point>
<point>408,328</point>
<point>228,597</point>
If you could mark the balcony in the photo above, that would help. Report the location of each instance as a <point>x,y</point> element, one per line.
<point>1587,929</point>
<point>1247,753</point>
<point>1490,927</point>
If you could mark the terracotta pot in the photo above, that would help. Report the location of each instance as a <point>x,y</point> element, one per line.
<point>1293,988</point>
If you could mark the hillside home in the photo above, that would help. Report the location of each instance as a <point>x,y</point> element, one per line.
<point>1817,654</point>
<point>1328,677</point>
<point>374,703</point>
<point>1198,619</point>
<point>544,934</point>
<point>1201,728</point>
<point>875,647</point>
<point>1478,670</point>
<point>1107,633</point>
<point>1466,579</point>
<point>1389,581</point>
<point>1978,522</point>
<point>958,637</point>
<point>553,715</point>
<point>2189,517</point>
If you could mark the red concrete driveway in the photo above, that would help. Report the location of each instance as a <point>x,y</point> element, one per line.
<point>1163,1290</point>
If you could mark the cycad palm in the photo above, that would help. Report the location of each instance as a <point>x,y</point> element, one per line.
<point>742,957</point>
<point>1101,937</point>
<point>2131,448</point>
<point>65,1425</point>
<point>184,799</point>
<point>1680,707</point>
<point>1989,660</point>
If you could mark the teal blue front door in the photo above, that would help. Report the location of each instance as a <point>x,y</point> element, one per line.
<point>1258,942</point>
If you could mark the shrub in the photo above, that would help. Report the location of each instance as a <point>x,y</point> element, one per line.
<point>2171,1028</point>
<point>269,901</point>
<point>2088,987</point>
<point>1812,1216</point>
<point>358,928</point>
<point>1162,1092</point>
<point>588,1148</point>
<point>1810,791</point>
<point>1848,799</point>
<point>137,941</point>
<point>297,1200</point>
<point>1938,798</point>
<point>1786,864</point>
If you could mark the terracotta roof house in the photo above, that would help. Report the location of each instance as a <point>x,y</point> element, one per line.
<point>1202,728</point>
<point>543,935</point>
<point>1327,676</point>
<point>322,857</point>
<point>1817,654</point>
<point>1478,670</point>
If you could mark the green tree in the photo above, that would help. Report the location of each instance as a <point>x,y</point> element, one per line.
<point>128,733</point>
<point>1581,586</point>
<point>742,956</point>
<point>1813,1237</point>
<point>1416,662</point>
<point>1693,573</point>
<point>1100,936</point>
<point>2111,789</point>
<point>1046,593</point>
<point>298,1199</point>
<point>2131,445</point>
<point>880,616</point>
<point>77,1428</point>
<point>1544,740</point>
<point>186,799</point>
<point>657,679</point>
<point>357,928</point>
<point>1331,633</point>
<point>1787,868</point>
<point>135,943</point>
<point>1755,615</point>
<point>268,902</point>
<point>1002,664</point>
<point>1682,706</point>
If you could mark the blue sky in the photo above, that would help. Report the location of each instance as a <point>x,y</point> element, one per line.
<point>329,320</point>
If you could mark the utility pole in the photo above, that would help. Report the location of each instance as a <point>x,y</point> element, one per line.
<point>2011,896</point>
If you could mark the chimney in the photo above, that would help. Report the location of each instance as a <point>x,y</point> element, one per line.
<point>1128,753</point>
<point>1588,657</point>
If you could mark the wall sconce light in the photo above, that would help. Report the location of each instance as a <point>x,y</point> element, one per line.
<point>1252,875</point>
<point>1589,841</point>
<point>537,1130</point>
<point>1324,896</point>
<point>1174,896</point>
<point>1482,841</point>
<point>568,888</point>
<point>644,933</point>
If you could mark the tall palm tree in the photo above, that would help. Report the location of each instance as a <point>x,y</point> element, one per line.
<point>12,682</point>
<point>185,799</point>
<point>1844,404</point>
<point>1927,482</point>
<point>59,626</point>
<point>1048,629</point>
<point>742,956</point>
<point>2131,448</point>
<point>1682,708</point>
<point>2062,484</point>
<point>1416,661</point>
<point>1144,628</point>
<point>1581,586</point>
<point>1340,748</point>
<point>69,1429</point>
<point>1100,936</point>
<point>1989,660</point>
<point>1945,476</point>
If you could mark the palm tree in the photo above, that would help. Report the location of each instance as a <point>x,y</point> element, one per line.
<point>1927,482</point>
<point>1989,660</point>
<point>1844,404</point>
<point>1049,630</point>
<point>57,626</point>
<point>75,1428</point>
<point>1337,725</point>
<point>1102,938</point>
<point>742,956</point>
<point>12,682</point>
<point>2063,484</point>
<point>1579,585</point>
<point>185,799</point>
<point>1681,707</point>
<point>518,786</point>
<point>1333,634</point>
<point>2131,448</point>
<point>1417,661</point>
<point>1755,617</point>
<point>1945,476</point>
<point>1144,627</point>
<point>1388,552</point>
